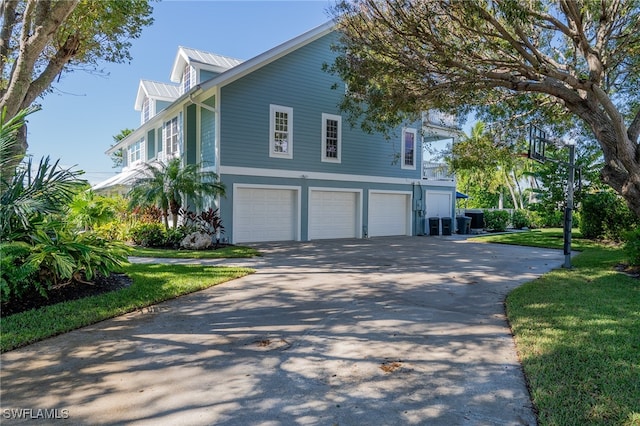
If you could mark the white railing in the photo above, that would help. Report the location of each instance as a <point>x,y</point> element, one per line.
<point>436,171</point>
<point>441,119</point>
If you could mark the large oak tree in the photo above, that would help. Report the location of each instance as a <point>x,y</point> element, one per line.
<point>574,58</point>
<point>41,39</point>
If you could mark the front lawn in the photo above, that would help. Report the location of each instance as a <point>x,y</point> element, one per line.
<point>577,333</point>
<point>151,284</point>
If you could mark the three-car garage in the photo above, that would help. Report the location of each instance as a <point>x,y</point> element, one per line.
<point>291,213</point>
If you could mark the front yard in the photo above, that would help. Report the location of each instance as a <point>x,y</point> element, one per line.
<point>577,333</point>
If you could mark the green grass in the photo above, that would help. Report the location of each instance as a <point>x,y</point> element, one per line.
<point>578,335</point>
<point>224,252</point>
<point>151,284</point>
<point>547,238</point>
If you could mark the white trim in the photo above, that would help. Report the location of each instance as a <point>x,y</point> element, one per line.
<point>323,154</point>
<point>297,189</point>
<point>357,191</point>
<point>414,132</point>
<point>216,121</point>
<point>273,110</point>
<point>409,227</point>
<point>299,174</point>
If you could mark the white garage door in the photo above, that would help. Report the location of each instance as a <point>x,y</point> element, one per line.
<point>389,214</point>
<point>333,214</point>
<point>265,215</point>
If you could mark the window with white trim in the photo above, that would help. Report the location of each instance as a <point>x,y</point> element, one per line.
<point>409,140</point>
<point>186,79</point>
<point>331,138</point>
<point>280,131</point>
<point>146,110</point>
<point>135,151</point>
<point>171,136</point>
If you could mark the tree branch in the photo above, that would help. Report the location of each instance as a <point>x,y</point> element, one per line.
<point>8,11</point>
<point>34,37</point>
<point>634,129</point>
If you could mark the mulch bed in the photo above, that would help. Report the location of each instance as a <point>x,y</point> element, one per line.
<point>71,291</point>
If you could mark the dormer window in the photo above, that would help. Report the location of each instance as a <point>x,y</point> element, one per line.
<point>146,110</point>
<point>186,79</point>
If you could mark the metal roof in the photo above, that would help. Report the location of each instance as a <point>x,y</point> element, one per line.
<point>156,90</point>
<point>206,60</point>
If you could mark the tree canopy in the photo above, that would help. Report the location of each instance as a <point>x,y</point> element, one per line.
<point>571,63</point>
<point>41,39</point>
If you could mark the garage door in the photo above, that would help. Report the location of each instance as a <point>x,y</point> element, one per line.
<point>262,214</point>
<point>389,214</point>
<point>333,214</point>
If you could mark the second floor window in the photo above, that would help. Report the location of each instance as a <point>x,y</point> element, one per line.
<point>331,138</point>
<point>135,151</point>
<point>280,131</point>
<point>409,137</point>
<point>171,136</point>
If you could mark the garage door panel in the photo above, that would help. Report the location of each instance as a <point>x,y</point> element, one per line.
<point>333,214</point>
<point>265,215</point>
<point>388,214</point>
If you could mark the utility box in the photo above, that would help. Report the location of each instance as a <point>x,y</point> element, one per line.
<point>464,224</point>
<point>477,220</point>
<point>434,226</point>
<point>446,226</point>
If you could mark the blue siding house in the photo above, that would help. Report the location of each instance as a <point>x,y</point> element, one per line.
<point>293,167</point>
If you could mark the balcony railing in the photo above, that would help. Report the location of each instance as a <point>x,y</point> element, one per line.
<point>441,119</point>
<point>436,171</point>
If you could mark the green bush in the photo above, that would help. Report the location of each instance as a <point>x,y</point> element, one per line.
<point>496,220</point>
<point>149,235</point>
<point>520,219</point>
<point>605,215</point>
<point>176,235</point>
<point>632,246</point>
<point>16,276</point>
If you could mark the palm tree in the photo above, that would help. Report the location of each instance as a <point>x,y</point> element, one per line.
<point>30,194</point>
<point>165,184</point>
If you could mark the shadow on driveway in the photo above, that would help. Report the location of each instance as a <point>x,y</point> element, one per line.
<point>386,331</point>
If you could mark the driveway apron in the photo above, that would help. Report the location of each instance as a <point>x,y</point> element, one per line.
<point>381,331</point>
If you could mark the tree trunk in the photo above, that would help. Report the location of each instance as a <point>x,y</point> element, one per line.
<point>174,206</point>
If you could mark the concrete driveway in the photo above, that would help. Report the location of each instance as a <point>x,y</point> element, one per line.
<point>385,331</point>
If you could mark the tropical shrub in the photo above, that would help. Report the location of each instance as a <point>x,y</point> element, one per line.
<point>496,220</point>
<point>16,275</point>
<point>520,219</point>
<point>605,215</point>
<point>174,236</point>
<point>207,221</point>
<point>632,246</point>
<point>148,234</point>
<point>40,248</point>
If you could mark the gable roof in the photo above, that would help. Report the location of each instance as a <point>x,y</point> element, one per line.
<point>205,60</point>
<point>267,57</point>
<point>156,90</point>
<point>235,73</point>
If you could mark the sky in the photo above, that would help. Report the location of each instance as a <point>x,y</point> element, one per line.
<point>85,110</point>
